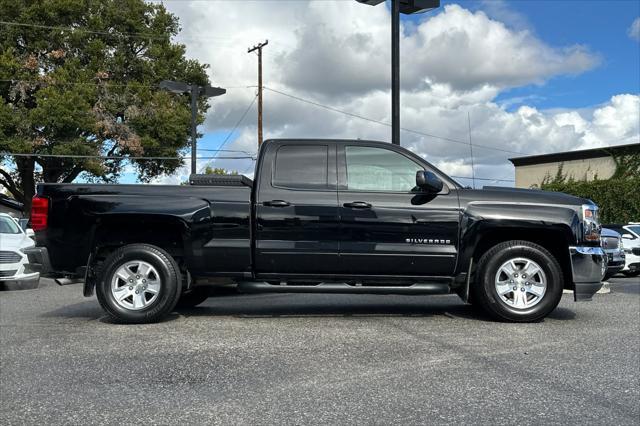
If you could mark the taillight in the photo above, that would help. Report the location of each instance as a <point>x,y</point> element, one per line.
<point>39,213</point>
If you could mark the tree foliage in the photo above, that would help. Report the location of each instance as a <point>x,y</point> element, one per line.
<point>84,81</point>
<point>218,171</point>
<point>617,197</point>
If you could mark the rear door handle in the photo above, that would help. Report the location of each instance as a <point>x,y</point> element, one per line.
<point>276,203</point>
<point>357,205</point>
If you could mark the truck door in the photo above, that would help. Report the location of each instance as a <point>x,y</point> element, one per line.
<point>389,226</point>
<point>297,226</point>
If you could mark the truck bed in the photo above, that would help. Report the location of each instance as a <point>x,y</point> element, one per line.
<point>216,218</point>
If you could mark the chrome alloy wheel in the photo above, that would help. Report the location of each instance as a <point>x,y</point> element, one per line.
<point>520,283</point>
<point>135,285</point>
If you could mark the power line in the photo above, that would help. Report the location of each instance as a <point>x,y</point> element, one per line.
<point>478,178</point>
<point>115,157</point>
<point>89,83</point>
<point>143,36</point>
<point>227,150</point>
<point>230,41</point>
<point>253,101</point>
<point>387,124</point>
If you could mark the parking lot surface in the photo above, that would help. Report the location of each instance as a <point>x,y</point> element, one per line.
<point>318,359</point>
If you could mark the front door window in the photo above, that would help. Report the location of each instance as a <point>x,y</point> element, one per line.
<point>378,169</point>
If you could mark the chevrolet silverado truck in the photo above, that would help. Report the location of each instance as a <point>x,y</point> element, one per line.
<point>321,216</point>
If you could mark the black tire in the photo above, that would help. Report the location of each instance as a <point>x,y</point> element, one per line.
<point>484,288</point>
<point>193,297</point>
<point>170,286</point>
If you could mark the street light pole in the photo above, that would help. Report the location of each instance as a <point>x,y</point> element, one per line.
<point>407,7</point>
<point>395,72</point>
<point>195,91</point>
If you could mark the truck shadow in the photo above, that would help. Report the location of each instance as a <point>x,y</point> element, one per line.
<point>323,305</point>
<point>307,306</point>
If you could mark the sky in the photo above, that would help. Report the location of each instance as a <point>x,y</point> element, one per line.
<point>515,78</point>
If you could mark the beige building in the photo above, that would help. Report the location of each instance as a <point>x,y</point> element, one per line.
<point>581,165</point>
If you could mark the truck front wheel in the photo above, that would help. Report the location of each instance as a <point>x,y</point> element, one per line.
<point>139,283</point>
<point>518,281</point>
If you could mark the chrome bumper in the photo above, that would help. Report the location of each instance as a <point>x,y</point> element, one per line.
<point>586,267</point>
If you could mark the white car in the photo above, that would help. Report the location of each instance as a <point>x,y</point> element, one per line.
<point>631,239</point>
<point>13,240</point>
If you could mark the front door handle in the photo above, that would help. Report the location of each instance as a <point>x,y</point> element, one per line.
<point>276,203</point>
<point>357,205</point>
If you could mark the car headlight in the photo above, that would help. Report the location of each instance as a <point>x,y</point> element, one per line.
<point>22,249</point>
<point>591,227</point>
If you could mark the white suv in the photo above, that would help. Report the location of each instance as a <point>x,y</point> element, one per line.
<point>13,240</point>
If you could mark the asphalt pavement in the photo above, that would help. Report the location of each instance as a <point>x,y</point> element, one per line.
<point>319,359</point>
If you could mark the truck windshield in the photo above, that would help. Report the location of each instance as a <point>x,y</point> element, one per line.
<point>8,226</point>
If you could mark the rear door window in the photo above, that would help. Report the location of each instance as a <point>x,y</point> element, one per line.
<point>302,167</point>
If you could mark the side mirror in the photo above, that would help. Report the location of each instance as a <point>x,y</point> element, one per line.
<point>428,181</point>
<point>30,233</point>
<point>627,236</point>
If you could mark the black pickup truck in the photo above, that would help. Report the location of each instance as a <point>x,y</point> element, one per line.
<point>321,216</point>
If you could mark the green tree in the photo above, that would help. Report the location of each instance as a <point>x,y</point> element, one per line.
<point>218,171</point>
<point>81,79</point>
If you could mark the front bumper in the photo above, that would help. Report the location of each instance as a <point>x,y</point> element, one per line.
<point>20,282</point>
<point>586,267</point>
<point>38,260</point>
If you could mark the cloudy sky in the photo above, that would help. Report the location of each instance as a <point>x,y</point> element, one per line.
<point>529,76</point>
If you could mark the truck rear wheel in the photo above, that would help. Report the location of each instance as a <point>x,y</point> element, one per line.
<point>139,283</point>
<point>518,281</point>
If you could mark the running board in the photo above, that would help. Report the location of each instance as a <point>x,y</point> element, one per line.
<point>415,289</point>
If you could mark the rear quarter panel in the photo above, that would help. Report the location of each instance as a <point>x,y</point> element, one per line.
<point>213,222</point>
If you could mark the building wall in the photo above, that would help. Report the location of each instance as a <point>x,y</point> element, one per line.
<point>533,175</point>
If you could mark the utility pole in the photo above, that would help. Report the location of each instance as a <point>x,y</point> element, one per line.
<point>258,48</point>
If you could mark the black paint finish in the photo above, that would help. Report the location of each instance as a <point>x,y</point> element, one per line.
<point>306,226</point>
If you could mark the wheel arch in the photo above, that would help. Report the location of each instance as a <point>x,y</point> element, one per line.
<point>556,239</point>
<point>117,230</point>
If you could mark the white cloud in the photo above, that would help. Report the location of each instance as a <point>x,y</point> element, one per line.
<point>454,63</point>
<point>634,30</point>
<point>500,10</point>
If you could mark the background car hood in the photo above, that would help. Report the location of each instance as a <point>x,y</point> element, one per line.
<point>606,232</point>
<point>15,242</point>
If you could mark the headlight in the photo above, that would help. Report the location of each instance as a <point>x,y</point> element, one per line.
<point>591,227</point>
<point>620,244</point>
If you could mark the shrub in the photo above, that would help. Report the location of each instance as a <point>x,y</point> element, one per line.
<point>618,198</point>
